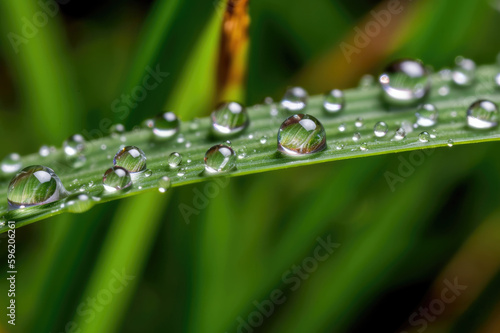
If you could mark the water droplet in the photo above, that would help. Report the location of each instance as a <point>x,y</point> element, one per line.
<point>130,158</point>
<point>424,137</point>
<point>301,134</point>
<point>117,129</point>
<point>116,178</point>
<point>400,134</point>
<point>44,151</point>
<point>364,146</point>
<point>405,82</point>
<point>427,115</point>
<point>339,146</point>
<point>359,122</point>
<point>34,185</point>
<point>164,184</point>
<point>263,140</point>
<point>74,145</point>
<point>444,90</point>
<point>295,99</point>
<point>11,163</point>
<point>450,143</point>
<point>174,159</point>
<point>220,158</point>
<point>356,137</point>
<point>104,147</point>
<point>497,80</point>
<point>148,173</point>
<point>482,114</point>
<point>334,101</point>
<point>464,72</point>
<point>380,129</point>
<point>182,172</point>
<point>229,119</point>
<point>149,123</point>
<point>407,126</point>
<point>79,203</point>
<point>366,81</point>
<point>342,127</point>
<point>166,125</point>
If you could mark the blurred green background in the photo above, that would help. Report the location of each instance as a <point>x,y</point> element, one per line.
<point>397,251</point>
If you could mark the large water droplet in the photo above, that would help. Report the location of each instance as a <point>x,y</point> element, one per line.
<point>11,163</point>
<point>164,184</point>
<point>482,114</point>
<point>427,115</point>
<point>424,137</point>
<point>380,129</point>
<point>405,82</point>
<point>220,158</point>
<point>116,178</point>
<point>301,134</point>
<point>334,101</point>
<point>79,202</point>
<point>174,159</point>
<point>165,125</point>
<point>34,185</point>
<point>74,145</point>
<point>229,119</point>
<point>130,158</point>
<point>464,72</point>
<point>295,99</point>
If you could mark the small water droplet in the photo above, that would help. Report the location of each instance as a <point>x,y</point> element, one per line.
<point>250,136</point>
<point>295,99</point>
<point>366,81</point>
<point>148,173</point>
<point>444,90</point>
<point>34,185</point>
<point>342,127</point>
<point>116,178</point>
<point>427,115</point>
<point>482,114</point>
<point>117,129</point>
<point>334,101</point>
<point>78,203</point>
<point>44,151</point>
<point>220,158</point>
<point>364,146</point>
<point>450,143</point>
<point>497,80</point>
<point>130,158</point>
<point>424,137</point>
<point>301,134</point>
<point>359,122</point>
<point>405,82</point>
<point>465,71</point>
<point>356,137</point>
<point>174,159</point>
<point>263,140</point>
<point>104,147</point>
<point>11,163</point>
<point>380,129</point>
<point>339,146</point>
<point>74,145</point>
<point>400,134</point>
<point>229,118</point>
<point>453,114</point>
<point>164,184</point>
<point>181,172</point>
<point>166,125</point>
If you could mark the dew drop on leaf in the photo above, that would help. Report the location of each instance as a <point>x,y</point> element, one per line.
<point>220,158</point>
<point>295,99</point>
<point>34,185</point>
<point>424,137</point>
<point>74,145</point>
<point>116,178</point>
<point>482,114</point>
<point>405,82</point>
<point>427,115</point>
<point>130,158</point>
<point>380,129</point>
<point>464,72</point>
<point>174,159</point>
<point>164,184</point>
<point>229,118</point>
<point>334,101</point>
<point>11,163</point>
<point>165,125</point>
<point>301,134</point>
